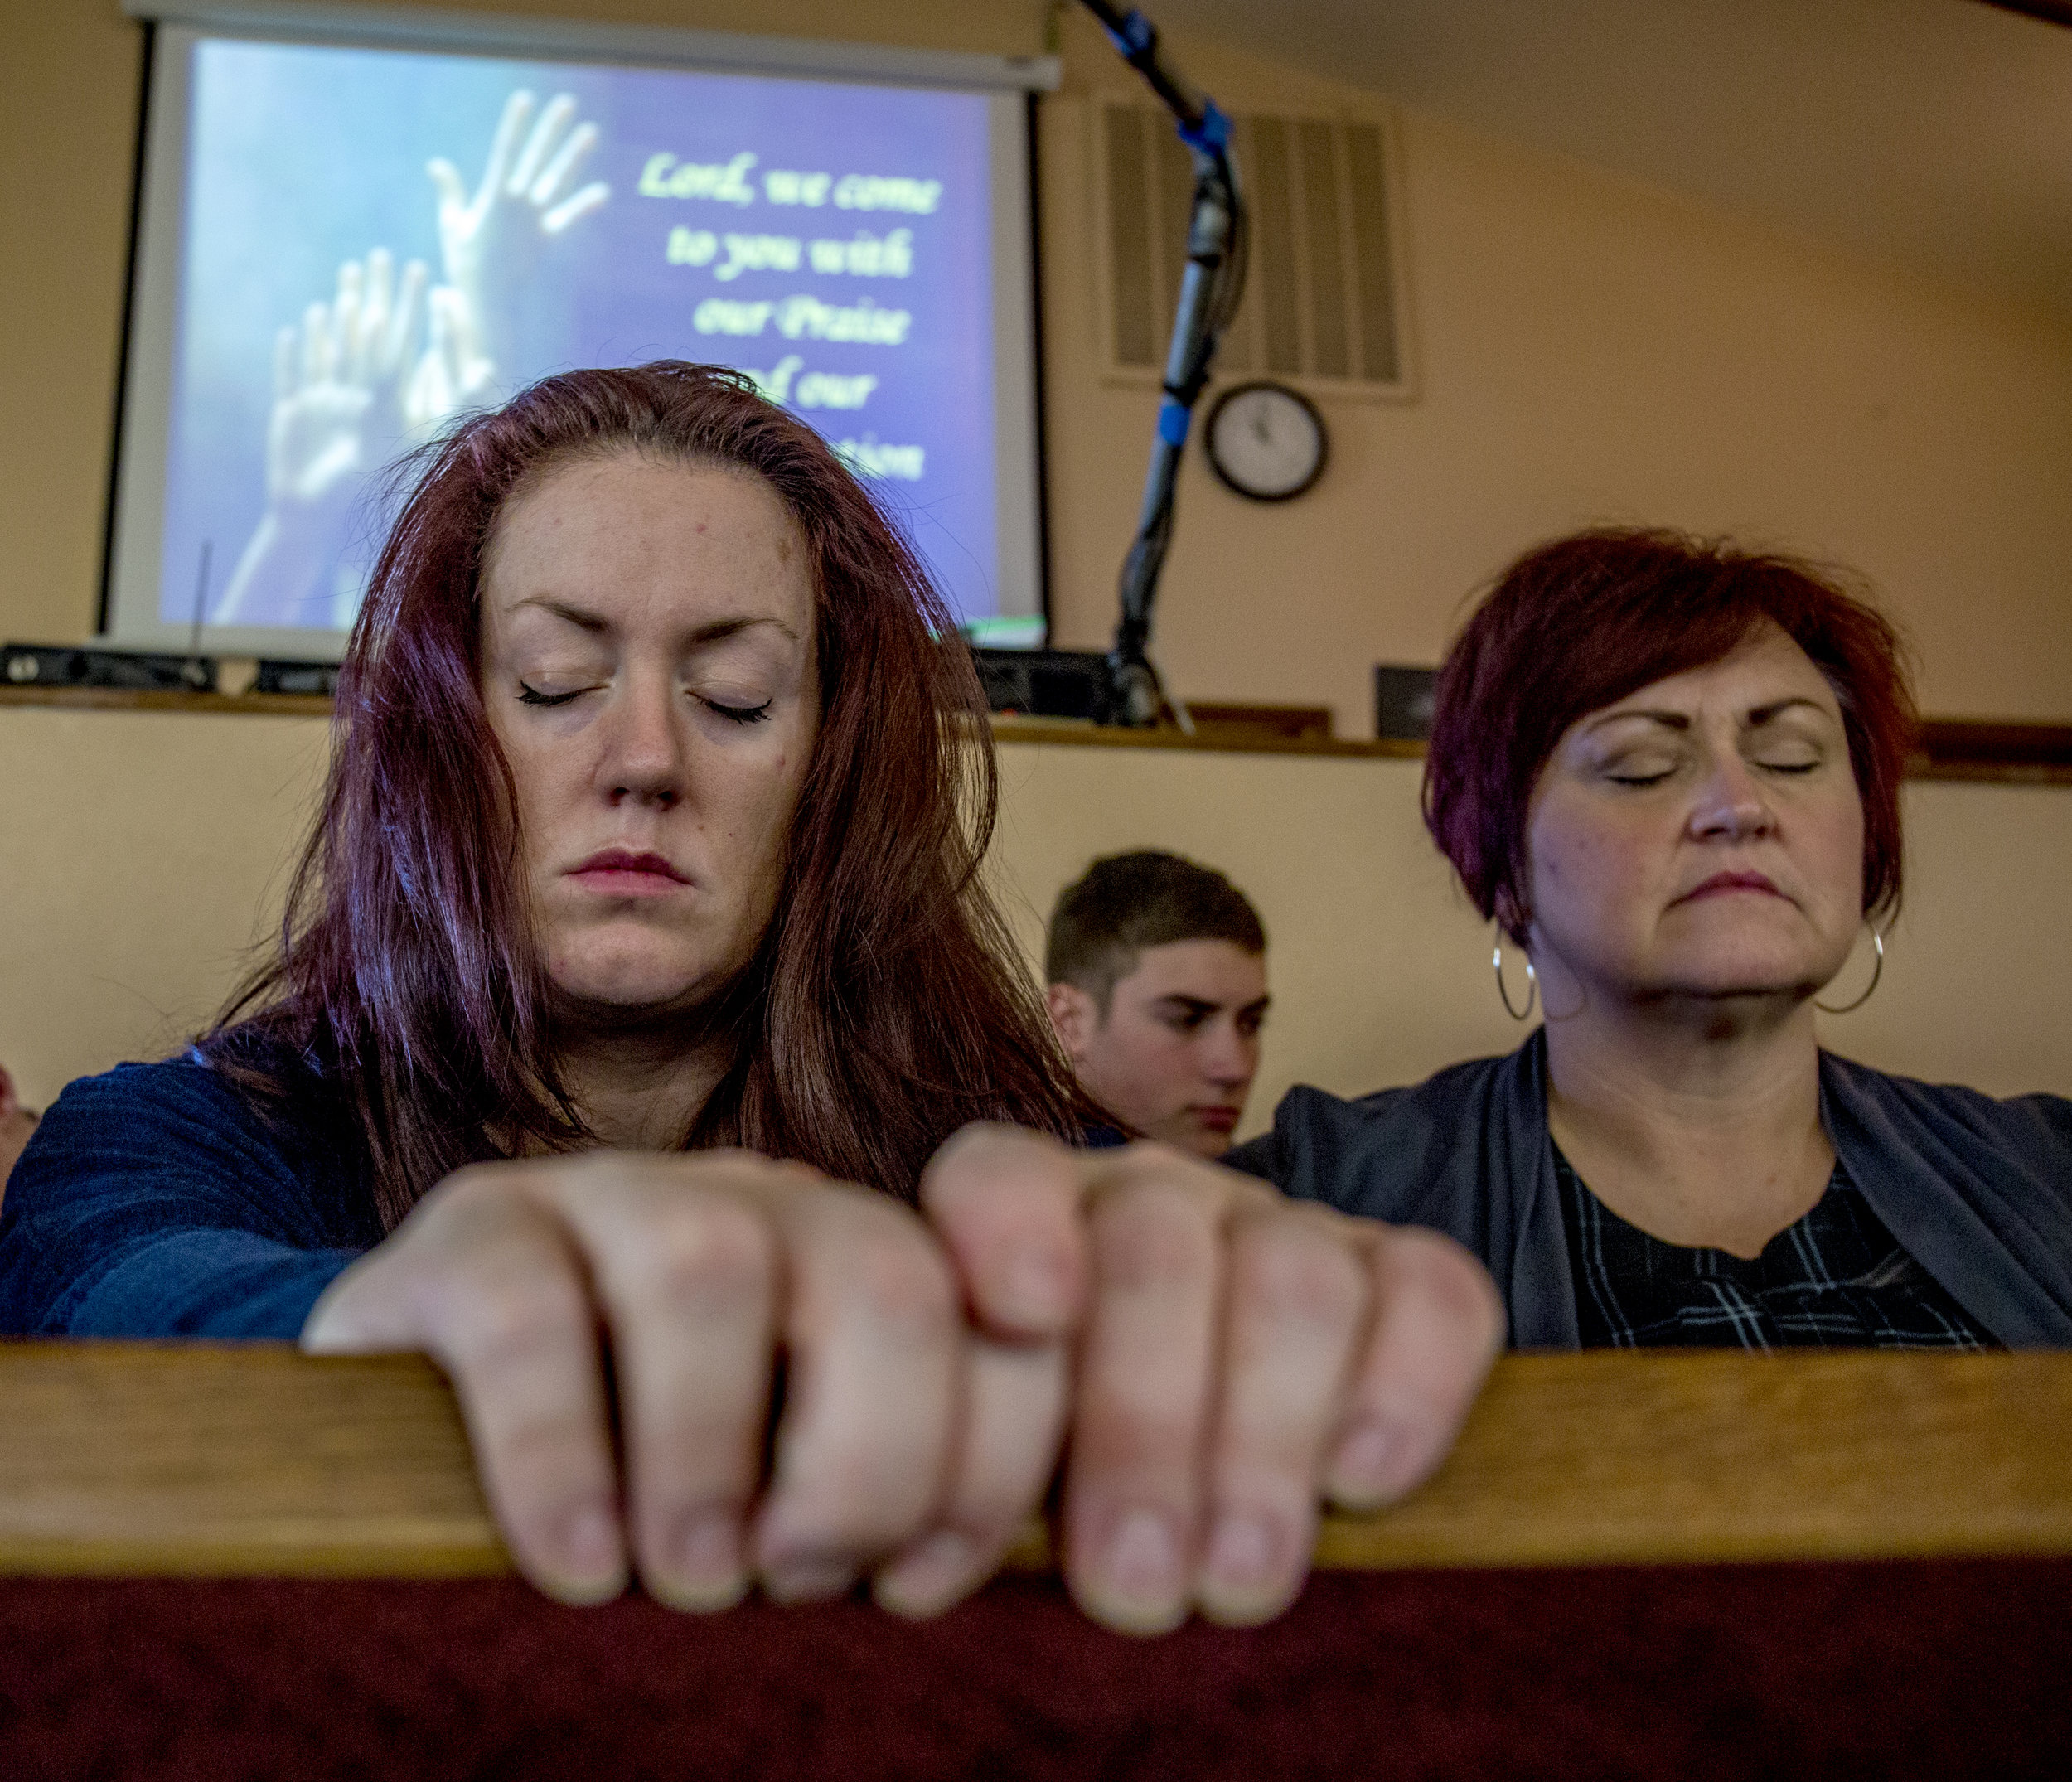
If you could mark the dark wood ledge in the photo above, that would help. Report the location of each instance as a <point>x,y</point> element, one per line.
<point>1967,748</point>
<point>165,699</point>
<point>1949,748</point>
<point>253,1460</point>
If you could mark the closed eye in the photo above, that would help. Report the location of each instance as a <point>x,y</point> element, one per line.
<point>741,713</point>
<point>530,696</point>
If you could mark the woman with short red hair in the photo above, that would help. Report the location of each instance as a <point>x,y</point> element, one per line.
<point>1669,771</point>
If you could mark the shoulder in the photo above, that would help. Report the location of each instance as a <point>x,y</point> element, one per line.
<point>1384,1156</point>
<point>1903,1110</point>
<point>2038,1114</point>
<point>246,1133</point>
<point>172,1198</point>
<point>245,1091</point>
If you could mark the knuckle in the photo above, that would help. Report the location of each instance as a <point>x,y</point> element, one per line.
<point>467,1193</point>
<point>1148,1160</point>
<point>980,1156</point>
<point>493,1321</point>
<point>1447,1281</point>
<point>1291,1271</point>
<point>895,1278</point>
<point>712,1250</point>
<point>1149,1236</point>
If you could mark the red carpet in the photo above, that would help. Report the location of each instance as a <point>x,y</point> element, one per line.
<point>1932,1670</point>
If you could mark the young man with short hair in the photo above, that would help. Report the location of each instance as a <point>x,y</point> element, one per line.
<point>1157,970</point>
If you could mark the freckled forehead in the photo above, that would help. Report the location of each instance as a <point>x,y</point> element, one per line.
<point>632,535</point>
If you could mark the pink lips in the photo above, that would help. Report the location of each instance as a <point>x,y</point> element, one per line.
<point>1223,1120</point>
<point>618,872</point>
<point>1726,881</point>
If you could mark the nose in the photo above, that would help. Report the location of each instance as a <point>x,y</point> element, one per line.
<point>643,762</point>
<point>1227,1057</point>
<point>1730,804</point>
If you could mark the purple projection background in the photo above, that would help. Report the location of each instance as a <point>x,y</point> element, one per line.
<point>375,240</point>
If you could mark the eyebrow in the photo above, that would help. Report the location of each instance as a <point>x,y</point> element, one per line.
<point>596,623</point>
<point>1680,721</point>
<point>1186,1004</point>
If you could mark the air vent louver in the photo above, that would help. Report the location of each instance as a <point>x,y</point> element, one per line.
<point>1323,306</point>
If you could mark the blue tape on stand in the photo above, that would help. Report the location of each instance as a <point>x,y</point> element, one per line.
<point>1173,419</point>
<point>1212,133</point>
<point>1135,35</point>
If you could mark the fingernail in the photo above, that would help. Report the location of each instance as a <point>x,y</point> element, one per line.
<point>593,1541</point>
<point>930,1576</point>
<point>809,1578</point>
<point>593,1562</point>
<point>1370,1461</point>
<point>1139,1588</point>
<point>1243,1553</point>
<point>704,1560</point>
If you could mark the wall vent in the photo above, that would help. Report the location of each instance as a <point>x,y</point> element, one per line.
<point>1325,306</point>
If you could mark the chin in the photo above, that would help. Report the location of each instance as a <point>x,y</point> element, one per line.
<point>1756,977</point>
<point>634,983</point>
<point>1201,1144</point>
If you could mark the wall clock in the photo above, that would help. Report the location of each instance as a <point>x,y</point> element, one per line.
<point>1265,441</point>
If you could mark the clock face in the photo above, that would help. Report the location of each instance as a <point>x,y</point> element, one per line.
<point>1265,441</point>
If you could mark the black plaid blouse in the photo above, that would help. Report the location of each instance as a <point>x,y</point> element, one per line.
<point>1838,1279</point>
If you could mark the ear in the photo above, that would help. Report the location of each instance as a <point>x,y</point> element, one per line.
<point>1073,1015</point>
<point>8,1101</point>
<point>1515,920</point>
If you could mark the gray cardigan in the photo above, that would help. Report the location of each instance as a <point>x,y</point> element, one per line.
<point>1978,1191</point>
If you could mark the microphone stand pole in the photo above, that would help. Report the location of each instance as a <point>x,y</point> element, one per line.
<point>1210,288</point>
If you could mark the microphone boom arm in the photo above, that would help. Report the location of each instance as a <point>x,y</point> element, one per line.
<point>1210,288</point>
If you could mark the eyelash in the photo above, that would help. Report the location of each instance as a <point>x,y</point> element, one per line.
<point>530,696</point>
<point>741,713</point>
<point>1656,779</point>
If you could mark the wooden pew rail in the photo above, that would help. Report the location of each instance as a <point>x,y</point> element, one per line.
<point>254,1460</point>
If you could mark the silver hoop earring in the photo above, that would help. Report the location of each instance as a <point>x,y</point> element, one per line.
<point>1877,971</point>
<point>1532,983</point>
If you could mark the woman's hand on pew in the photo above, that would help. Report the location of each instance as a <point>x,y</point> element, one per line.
<point>1212,1359</point>
<point>1238,1357</point>
<point>572,1299</point>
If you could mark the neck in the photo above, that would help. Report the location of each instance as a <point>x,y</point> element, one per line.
<point>640,1086</point>
<point>1696,1119</point>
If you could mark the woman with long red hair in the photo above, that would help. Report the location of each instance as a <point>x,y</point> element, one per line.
<point>642,914</point>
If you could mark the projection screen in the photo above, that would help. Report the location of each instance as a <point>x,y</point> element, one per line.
<point>355,226</point>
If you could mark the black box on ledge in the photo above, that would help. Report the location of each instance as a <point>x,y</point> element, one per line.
<point>54,665</point>
<point>318,678</point>
<point>1045,683</point>
<point>1402,702</point>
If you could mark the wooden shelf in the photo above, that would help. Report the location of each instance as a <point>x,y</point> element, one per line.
<point>251,1460</point>
<point>1949,748</point>
<point>166,700</point>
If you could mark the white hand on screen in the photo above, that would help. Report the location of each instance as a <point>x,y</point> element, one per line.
<point>528,199</point>
<point>452,375</point>
<point>345,386</point>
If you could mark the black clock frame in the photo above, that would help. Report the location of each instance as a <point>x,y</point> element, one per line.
<point>1315,414</point>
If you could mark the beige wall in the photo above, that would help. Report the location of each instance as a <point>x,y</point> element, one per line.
<point>153,851</point>
<point>1589,348</point>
